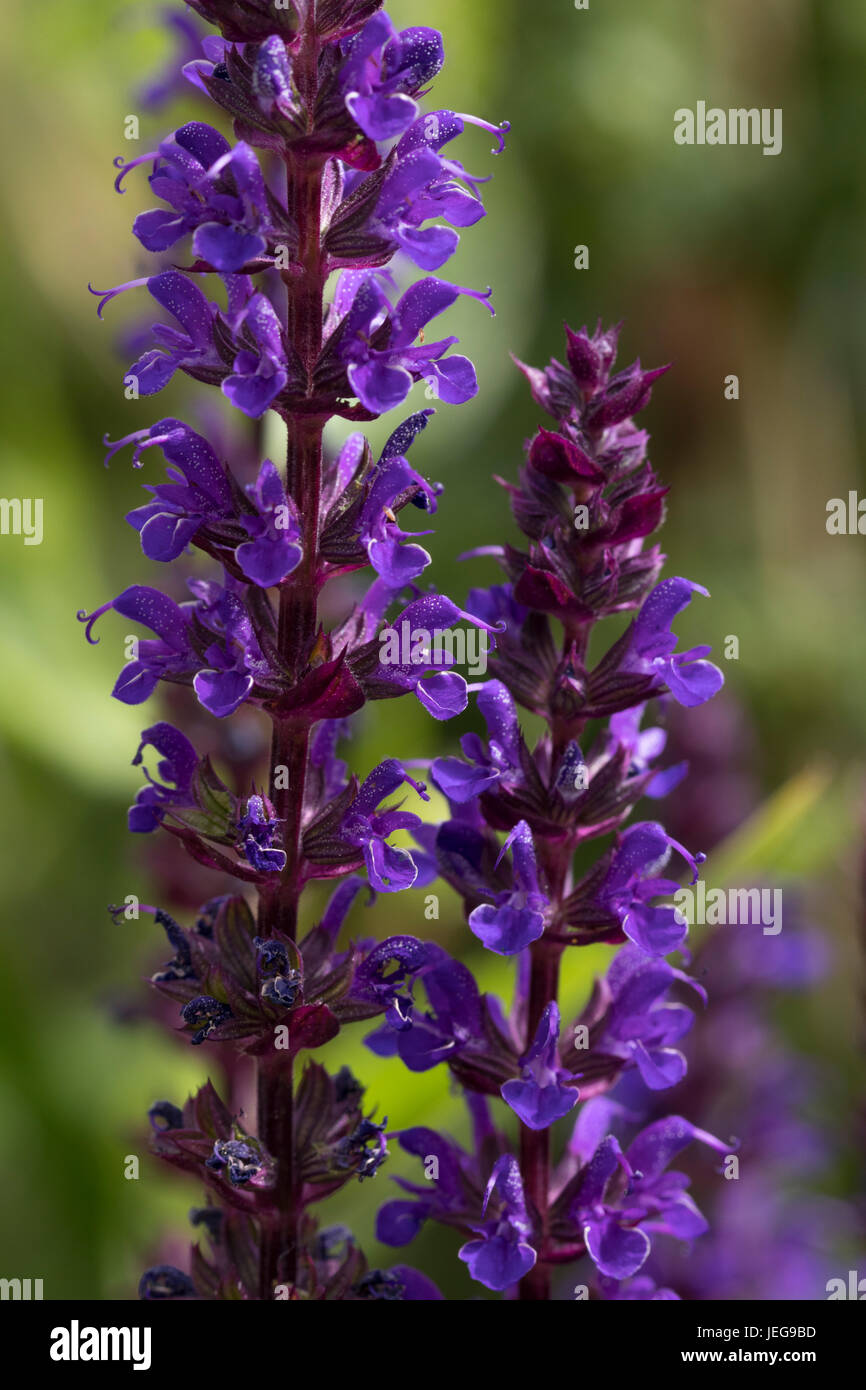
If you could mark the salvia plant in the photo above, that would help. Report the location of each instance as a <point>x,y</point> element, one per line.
<point>338,182</point>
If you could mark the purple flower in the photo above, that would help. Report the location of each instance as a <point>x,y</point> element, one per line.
<point>178,762</point>
<point>542,1096</point>
<point>502,1255</point>
<point>452,1195</point>
<point>389,869</point>
<point>200,499</point>
<point>273,551</point>
<point>209,643</point>
<point>423,184</point>
<point>454,1021</point>
<point>632,881</point>
<point>611,1214</point>
<point>629,1019</point>
<point>381,376</point>
<point>689,678</point>
<point>457,1193</point>
<point>461,781</point>
<point>465,855</point>
<point>385,69</point>
<point>386,975</point>
<point>259,371</point>
<point>198,494</point>
<point>191,346</point>
<point>396,562</point>
<point>258,829</point>
<point>214,191</point>
<point>406,657</point>
<point>169,655</point>
<point>234,659</point>
<point>516,917</point>
<point>643,746</point>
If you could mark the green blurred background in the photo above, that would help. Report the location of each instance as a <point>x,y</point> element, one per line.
<point>718,259</point>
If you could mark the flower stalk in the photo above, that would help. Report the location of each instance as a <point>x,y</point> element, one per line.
<point>336,171</point>
<point>296,632</point>
<point>334,168</point>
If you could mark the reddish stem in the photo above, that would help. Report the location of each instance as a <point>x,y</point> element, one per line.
<point>298,621</point>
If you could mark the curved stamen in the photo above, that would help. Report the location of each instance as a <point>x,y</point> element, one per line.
<point>114,448</point>
<point>460,172</point>
<point>693,860</point>
<point>483,296</point>
<point>142,439</point>
<point>105,296</point>
<point>496,551</point>
<point>480,623</point>
<point>90,619</point>
<point>125,166</point>
<point>500,131</point>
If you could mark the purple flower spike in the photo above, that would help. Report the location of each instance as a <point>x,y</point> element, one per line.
<point>307,595</point>
<point>541,1096</point>
<point>502,1255</point>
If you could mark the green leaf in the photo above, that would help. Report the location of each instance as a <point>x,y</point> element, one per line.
<point>796,832</point>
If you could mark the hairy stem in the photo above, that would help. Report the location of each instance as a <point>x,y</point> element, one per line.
<point>298,622</point>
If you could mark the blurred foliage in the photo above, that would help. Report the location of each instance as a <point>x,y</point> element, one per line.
<point>720,260</point>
